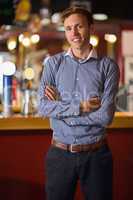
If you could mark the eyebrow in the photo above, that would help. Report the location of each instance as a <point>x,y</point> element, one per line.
<point>72,25</point>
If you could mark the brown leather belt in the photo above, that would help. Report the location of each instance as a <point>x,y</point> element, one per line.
<point>79,147</point>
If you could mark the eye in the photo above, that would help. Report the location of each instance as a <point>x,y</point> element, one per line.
<point>68,28</point>
<point>80,26</point>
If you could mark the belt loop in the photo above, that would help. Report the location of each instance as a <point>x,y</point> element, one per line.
<point>71,148</point>
<point>67,148</point>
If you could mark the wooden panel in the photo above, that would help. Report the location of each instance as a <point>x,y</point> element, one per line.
<point>22,171</point>
<point>121,143</point>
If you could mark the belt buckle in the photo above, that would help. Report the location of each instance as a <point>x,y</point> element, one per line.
<point>71,148</point>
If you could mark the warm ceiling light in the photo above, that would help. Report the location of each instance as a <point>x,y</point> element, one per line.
<point>26,41</point>
<point>20,37</point>
<point>56,18</point>
<point>29,73</point>
<point>94,40</point>
<point>100,16</point>
<point>45,21</point>
<point>35,38</point>
<point>11,43</point>
<point>8,68</point>
<point>111,38</point>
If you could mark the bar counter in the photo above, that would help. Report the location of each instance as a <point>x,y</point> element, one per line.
<point>24,142</point>
<point>121,120</point>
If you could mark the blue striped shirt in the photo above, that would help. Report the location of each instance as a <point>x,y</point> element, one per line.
<point>75,81</point>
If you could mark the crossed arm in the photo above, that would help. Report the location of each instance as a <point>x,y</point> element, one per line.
<point>85,106</point>
<point>89,112</point>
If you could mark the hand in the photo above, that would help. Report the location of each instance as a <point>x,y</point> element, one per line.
<point>90,105</point>
<point>51,93</point>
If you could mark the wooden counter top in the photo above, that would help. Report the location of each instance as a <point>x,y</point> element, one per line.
<point>24,123</point>
<point>121,120</point>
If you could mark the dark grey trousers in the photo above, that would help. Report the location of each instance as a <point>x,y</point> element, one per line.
<point>92,169</point>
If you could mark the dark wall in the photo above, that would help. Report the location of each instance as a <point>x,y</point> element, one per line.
<point>6,12</point>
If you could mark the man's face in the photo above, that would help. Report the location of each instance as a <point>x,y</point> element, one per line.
<point>77,30</point>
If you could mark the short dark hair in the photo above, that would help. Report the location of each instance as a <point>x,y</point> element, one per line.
<point>77,10</point>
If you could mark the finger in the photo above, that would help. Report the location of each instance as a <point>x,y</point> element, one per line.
<point>94,106</point>
<point>49,95</point>
<point>50,89</point>
<point>92,101</point>
<point>48,98</point>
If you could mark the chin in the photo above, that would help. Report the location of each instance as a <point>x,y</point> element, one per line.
<point>78,45</point>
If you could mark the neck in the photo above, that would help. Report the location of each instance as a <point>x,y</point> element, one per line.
<point>81,53</point>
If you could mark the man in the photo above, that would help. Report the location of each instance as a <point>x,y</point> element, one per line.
<point>77,91</point>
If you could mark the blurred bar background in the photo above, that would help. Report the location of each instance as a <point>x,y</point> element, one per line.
<point>30,31</point>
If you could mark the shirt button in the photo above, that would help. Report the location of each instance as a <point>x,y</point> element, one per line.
<point>77,79</point>
<point>71,123</point>
<point>76,140</point>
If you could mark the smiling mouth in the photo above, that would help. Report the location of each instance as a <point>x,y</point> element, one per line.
<point>76,40</point>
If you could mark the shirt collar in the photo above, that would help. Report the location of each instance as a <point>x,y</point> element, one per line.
<point>92,54</point>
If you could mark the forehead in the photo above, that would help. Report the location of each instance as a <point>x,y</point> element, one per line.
<point>75,18</point>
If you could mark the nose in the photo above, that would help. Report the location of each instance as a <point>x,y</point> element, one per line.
<point>75,31</point>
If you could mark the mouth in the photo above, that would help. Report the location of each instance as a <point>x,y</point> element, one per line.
<point>76,40</point>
